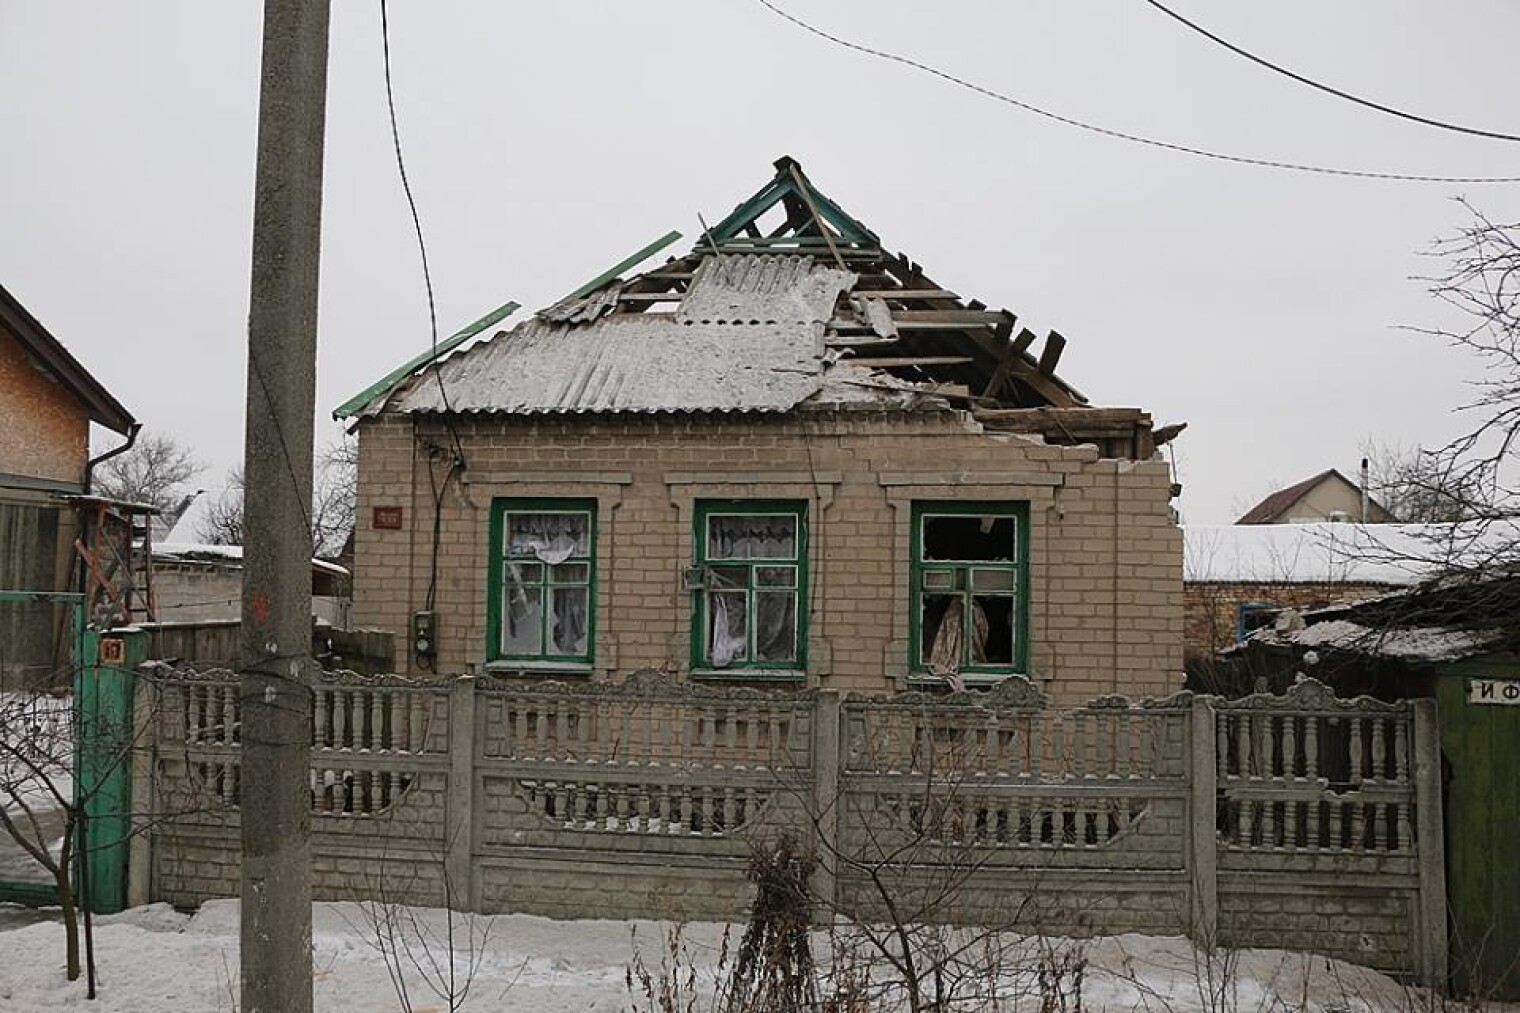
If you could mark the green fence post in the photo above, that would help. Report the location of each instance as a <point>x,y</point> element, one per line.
<point>103,778</point>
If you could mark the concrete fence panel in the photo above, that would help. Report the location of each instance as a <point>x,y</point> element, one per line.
<point>1299,821</point>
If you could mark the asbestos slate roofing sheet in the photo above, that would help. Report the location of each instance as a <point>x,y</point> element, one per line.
<point>633,363</point>
<point>748,337</point>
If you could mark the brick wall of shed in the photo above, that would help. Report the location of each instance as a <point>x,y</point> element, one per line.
<point>1105,558</point>
<point>47,431</point>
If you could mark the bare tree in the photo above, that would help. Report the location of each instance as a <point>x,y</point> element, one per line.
<point>439,952</point>
<point>57,761</point>
<point>40,812</point>
<point>154,472</point>
<point>1482,280</point>
<point>222,523</point>
<point>332,508</point>
<point>1421,486</point>
<point>334,493</point>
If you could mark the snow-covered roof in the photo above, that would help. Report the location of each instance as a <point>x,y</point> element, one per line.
<point>1406,643</point>
<point>176,552</point>
<point>1329,552</point>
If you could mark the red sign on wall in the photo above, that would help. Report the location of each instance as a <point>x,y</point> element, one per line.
<point>386,518</point>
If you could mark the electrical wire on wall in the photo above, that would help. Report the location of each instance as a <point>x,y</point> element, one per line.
<point>457,464</point>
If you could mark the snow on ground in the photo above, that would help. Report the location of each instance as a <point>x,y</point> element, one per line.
<point>35,770</point>
<point>156,959</point>
<point>35,756</point>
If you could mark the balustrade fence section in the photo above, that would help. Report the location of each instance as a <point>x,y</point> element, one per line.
<point>1301,820</point>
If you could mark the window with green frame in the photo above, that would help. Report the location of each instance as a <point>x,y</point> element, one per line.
<point>750,603</point>
<point>541,594</point>
<point>969,588</point>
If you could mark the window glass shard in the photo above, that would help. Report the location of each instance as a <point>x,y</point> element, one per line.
<point>727,624</point>
<point>776,576</point>
<point>992,580</point>
<point>522,620</point>
<point>569,619</point>
<point>571,573</point>
<point>775,626</point>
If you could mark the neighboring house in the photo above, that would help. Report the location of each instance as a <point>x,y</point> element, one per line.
<point>786,457</point>
<point>1239,578</point>
<point>1454,639</point>
<point>47,403</point>
<point>1328,496</point>
<point>204,583</point>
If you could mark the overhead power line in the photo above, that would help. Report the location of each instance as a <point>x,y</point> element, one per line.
<point>411,202</point>
<point>1327,89</point>
<point>1266,163</point>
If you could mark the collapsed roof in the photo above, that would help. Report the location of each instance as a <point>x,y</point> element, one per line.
<point>1446,618</point>
<point>787,304</point>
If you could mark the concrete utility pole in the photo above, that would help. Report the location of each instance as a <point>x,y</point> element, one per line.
<point>276,630</point>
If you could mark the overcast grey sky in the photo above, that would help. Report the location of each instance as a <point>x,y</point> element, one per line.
<point>546,141</point>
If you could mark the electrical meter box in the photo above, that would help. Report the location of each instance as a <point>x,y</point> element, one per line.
<point>424,635</point>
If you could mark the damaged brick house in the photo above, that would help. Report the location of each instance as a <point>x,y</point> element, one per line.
<point>787,457</point>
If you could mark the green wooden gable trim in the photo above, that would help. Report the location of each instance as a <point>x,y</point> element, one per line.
<point>385,385</point>
<point>623,265</point>
<point>787,184</point>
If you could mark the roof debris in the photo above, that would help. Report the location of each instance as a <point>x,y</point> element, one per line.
<point>1431,644</point>
<point>745,322</point>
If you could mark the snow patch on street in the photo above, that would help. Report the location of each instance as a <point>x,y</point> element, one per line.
<point>155,958</point>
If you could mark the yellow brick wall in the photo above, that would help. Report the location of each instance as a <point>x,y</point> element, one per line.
<point>1105,558</point>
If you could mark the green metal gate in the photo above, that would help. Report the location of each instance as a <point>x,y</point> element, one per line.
<point>1480,736</point>
<point>95,725</point>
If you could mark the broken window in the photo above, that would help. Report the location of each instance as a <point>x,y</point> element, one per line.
<point>749,609</point>
<point>968,583</point>
<point>543,592</point>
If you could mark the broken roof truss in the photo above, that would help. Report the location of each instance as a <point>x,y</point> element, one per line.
<point>894,318</point>
<point>886,317</point>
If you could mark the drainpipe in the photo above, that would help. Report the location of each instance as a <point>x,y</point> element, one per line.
<point>82,576</point>
<point>89,468</point>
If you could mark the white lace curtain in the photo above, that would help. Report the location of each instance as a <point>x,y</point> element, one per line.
<point>552,538</point>
<point>752,537</point>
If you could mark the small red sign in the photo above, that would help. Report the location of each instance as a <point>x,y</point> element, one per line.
<point>113,651</point>
<point>387,518</point>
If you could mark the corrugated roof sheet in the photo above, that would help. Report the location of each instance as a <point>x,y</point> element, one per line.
<point>748,337</point>
<point>633,363</point>
<point>763,289</point>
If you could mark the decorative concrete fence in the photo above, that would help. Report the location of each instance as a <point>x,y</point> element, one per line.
<point>1300,821</point>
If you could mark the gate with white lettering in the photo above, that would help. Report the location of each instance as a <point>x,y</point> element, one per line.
<point>1479,704</point>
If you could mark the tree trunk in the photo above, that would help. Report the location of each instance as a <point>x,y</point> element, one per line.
<point>70,920</point>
